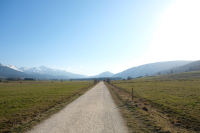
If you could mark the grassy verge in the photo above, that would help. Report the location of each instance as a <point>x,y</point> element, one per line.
<point>179,99</point>
<point>137,120</point>
<point>150,111</point>
<point>23,105</point>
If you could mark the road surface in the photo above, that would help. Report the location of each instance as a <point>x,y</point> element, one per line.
<point>93,112</point>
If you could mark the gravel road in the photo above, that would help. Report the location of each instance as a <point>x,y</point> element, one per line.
<point>93,112</point>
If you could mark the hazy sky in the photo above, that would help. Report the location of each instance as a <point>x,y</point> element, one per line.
<point>92,36</point>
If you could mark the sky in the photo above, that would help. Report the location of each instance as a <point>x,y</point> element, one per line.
<point>91,36</point>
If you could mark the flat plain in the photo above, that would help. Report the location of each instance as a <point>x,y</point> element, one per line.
<point>24,102</point>
<point>176,96</point>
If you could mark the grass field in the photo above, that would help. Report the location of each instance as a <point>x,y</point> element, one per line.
<point>22,102</point>
<point>178,95</point>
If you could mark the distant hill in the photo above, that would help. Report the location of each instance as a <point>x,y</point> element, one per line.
<point>6,72</point>
<point>46,72</point>
<point>104,74</point>
<point>193,66</point>
<point>182,75</point>
<point>150,69</point>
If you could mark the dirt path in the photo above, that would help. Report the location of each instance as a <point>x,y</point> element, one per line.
<point>93,112</point>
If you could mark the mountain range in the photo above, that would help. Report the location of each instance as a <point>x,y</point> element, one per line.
<point>6,71</point>
<point>44,72</point>
<point>193,66</point>
<point>149,69</point>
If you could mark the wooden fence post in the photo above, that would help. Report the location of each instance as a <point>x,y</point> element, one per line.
<point>132,94</point>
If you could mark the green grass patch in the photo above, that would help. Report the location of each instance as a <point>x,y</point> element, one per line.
<point>137,120</point>
<point>180,98</point>
<point>22,102</point>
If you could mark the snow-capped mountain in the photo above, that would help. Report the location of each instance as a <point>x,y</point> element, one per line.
<point>13,67</point>
<point>32,70</point>
<point>9,71</point>
<point>43,70</point>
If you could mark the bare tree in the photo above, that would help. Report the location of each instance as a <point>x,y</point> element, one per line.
<point>108,80</point>
<point>129,78</point>
<point>95,81</point>
<point>171,71</point>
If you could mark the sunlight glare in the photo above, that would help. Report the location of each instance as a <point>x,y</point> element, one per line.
<point>177,36</point>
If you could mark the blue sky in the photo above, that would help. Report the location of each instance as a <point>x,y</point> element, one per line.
<point>91,36</point>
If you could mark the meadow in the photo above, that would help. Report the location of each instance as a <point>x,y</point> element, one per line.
<point>177,95</point>
<point>21,102</point>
